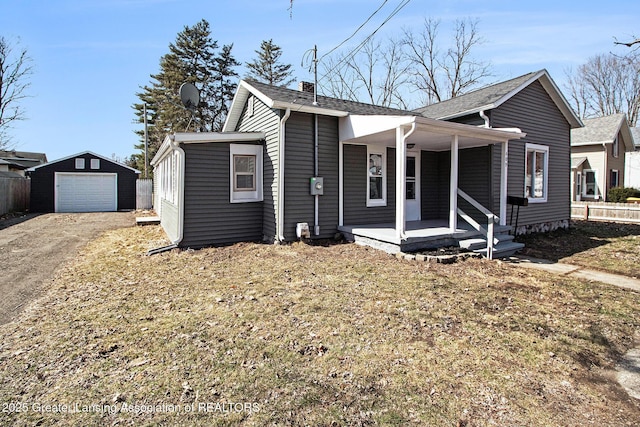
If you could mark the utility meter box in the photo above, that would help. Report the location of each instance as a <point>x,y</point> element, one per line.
<point>317,186</point>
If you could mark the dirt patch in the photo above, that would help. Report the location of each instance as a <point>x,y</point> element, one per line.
<point>32,247</point>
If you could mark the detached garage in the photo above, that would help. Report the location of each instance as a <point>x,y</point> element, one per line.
<point>84,182</point>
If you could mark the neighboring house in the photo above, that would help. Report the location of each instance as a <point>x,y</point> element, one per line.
<point>598,152</point>
<point>83,182</point>
<point>17,162</point>
<point>394,179</point>
<point>632,162</point>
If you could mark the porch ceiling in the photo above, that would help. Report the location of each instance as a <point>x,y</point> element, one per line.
<point>429,134</point>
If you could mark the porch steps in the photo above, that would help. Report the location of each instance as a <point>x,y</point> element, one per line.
<point>504,247</point>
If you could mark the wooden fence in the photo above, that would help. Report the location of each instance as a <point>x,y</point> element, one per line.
<point>14,194</point>
<point>144,194</point>
<point>604,211</point>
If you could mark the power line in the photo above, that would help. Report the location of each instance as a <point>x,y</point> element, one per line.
<point>354,51</point>
<point>356,31</point>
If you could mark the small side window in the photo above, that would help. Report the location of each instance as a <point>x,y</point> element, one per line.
<point>79,163</point>
<point>245,173</point>
<point>95,163</point>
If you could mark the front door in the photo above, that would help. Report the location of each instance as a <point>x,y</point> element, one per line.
<point>413,187</point>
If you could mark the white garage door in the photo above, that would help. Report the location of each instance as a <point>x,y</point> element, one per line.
<point>86,192</point>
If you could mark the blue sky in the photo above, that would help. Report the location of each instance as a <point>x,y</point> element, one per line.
<point>91,56</point>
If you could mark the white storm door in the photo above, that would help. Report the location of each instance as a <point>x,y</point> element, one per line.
<point>412,186</point>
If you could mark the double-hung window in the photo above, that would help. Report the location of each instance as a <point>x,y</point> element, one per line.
<point>245,173</point>
<point>376,177</point>
<point>536,173</point>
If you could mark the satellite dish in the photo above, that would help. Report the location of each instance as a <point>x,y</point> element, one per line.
<point>189,95</point>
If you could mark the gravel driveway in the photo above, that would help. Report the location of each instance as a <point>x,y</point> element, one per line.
<point>33,247</point>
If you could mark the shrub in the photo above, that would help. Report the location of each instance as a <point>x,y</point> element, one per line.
<point>620,194</point>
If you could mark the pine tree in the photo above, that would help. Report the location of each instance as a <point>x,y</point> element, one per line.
<point>266,67</point>
<point>193,58</point>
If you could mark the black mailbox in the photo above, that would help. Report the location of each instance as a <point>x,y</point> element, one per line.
<point>517,201</point>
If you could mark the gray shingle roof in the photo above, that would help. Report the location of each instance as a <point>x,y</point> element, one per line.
<point>598,130</point>
<point>306,99</point>
<point>474,101</point>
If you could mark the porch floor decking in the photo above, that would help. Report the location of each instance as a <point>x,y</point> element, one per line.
<point>426,234</point>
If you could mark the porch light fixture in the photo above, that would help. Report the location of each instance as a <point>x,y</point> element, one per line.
<point>410,146</point>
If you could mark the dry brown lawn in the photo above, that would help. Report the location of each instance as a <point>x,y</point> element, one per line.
<point>342,335</point>
<point>606,246</point>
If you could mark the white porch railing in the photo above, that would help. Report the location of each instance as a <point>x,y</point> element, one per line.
<point>491,220</point>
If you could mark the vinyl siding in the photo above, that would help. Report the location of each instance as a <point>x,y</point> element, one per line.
<point>169,219</point>
<point>356,211</point>
<point>299,204</point>
<point>209,217</point>
<point>474,178</point>
<point>267,120</point>
<point>533,111</point>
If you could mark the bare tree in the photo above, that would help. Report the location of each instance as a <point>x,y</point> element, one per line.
<point>442,74</point>
<point>375,73</point>
<point>607,84</point>
<point>15,67</point>
<point>629,44</point>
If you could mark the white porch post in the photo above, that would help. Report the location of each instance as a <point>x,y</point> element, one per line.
<point>504,169</point>
<point>453,190</point>
<point>401,154</point>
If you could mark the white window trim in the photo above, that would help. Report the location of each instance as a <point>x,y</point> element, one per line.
<point>615,149</point>
<point>244,196</point>
<point>545,178</point>
<point>79,163</point>
<point>383,152</point>
<point>95,164</point>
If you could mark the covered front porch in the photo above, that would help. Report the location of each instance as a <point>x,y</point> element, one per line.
<point>393,185</point>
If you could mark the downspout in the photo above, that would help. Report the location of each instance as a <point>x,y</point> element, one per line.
<point>280,209</point>
<point>316,228</point>
<point>485,118</point>
<point>403,233</point>
<point>176,147</point>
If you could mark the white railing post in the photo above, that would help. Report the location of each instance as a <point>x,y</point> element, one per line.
<point>490,236</point>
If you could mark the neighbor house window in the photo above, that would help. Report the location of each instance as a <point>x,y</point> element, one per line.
<point>615,178</point>
<point>537,171</point>
<point>250,106</point>
<point>615,148</point>
<point>245,173</point>
<point>95,163</point>
<point>79,163</point>
<point>376,177</point>
<point>590,186</point>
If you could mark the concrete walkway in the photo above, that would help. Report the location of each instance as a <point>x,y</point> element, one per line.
<point>575,271</point>
<point>628,369</point>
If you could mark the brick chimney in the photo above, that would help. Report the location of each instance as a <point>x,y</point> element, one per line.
<point>305,87</point>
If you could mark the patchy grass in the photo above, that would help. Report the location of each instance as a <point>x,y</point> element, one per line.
<point>605,246</point>
<point>313,335</point>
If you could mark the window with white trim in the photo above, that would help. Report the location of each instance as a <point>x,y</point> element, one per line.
<point>95,163</point>
<point>615,148</point>
<point>79,163</point>
<point>536,173</point>
<point>590,187</point>
<point>245,173</point>
<point>376,176</point>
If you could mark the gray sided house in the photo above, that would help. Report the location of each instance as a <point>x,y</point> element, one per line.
<point>83,182</point>
<point>393,179</point>
<point>538,164</point>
